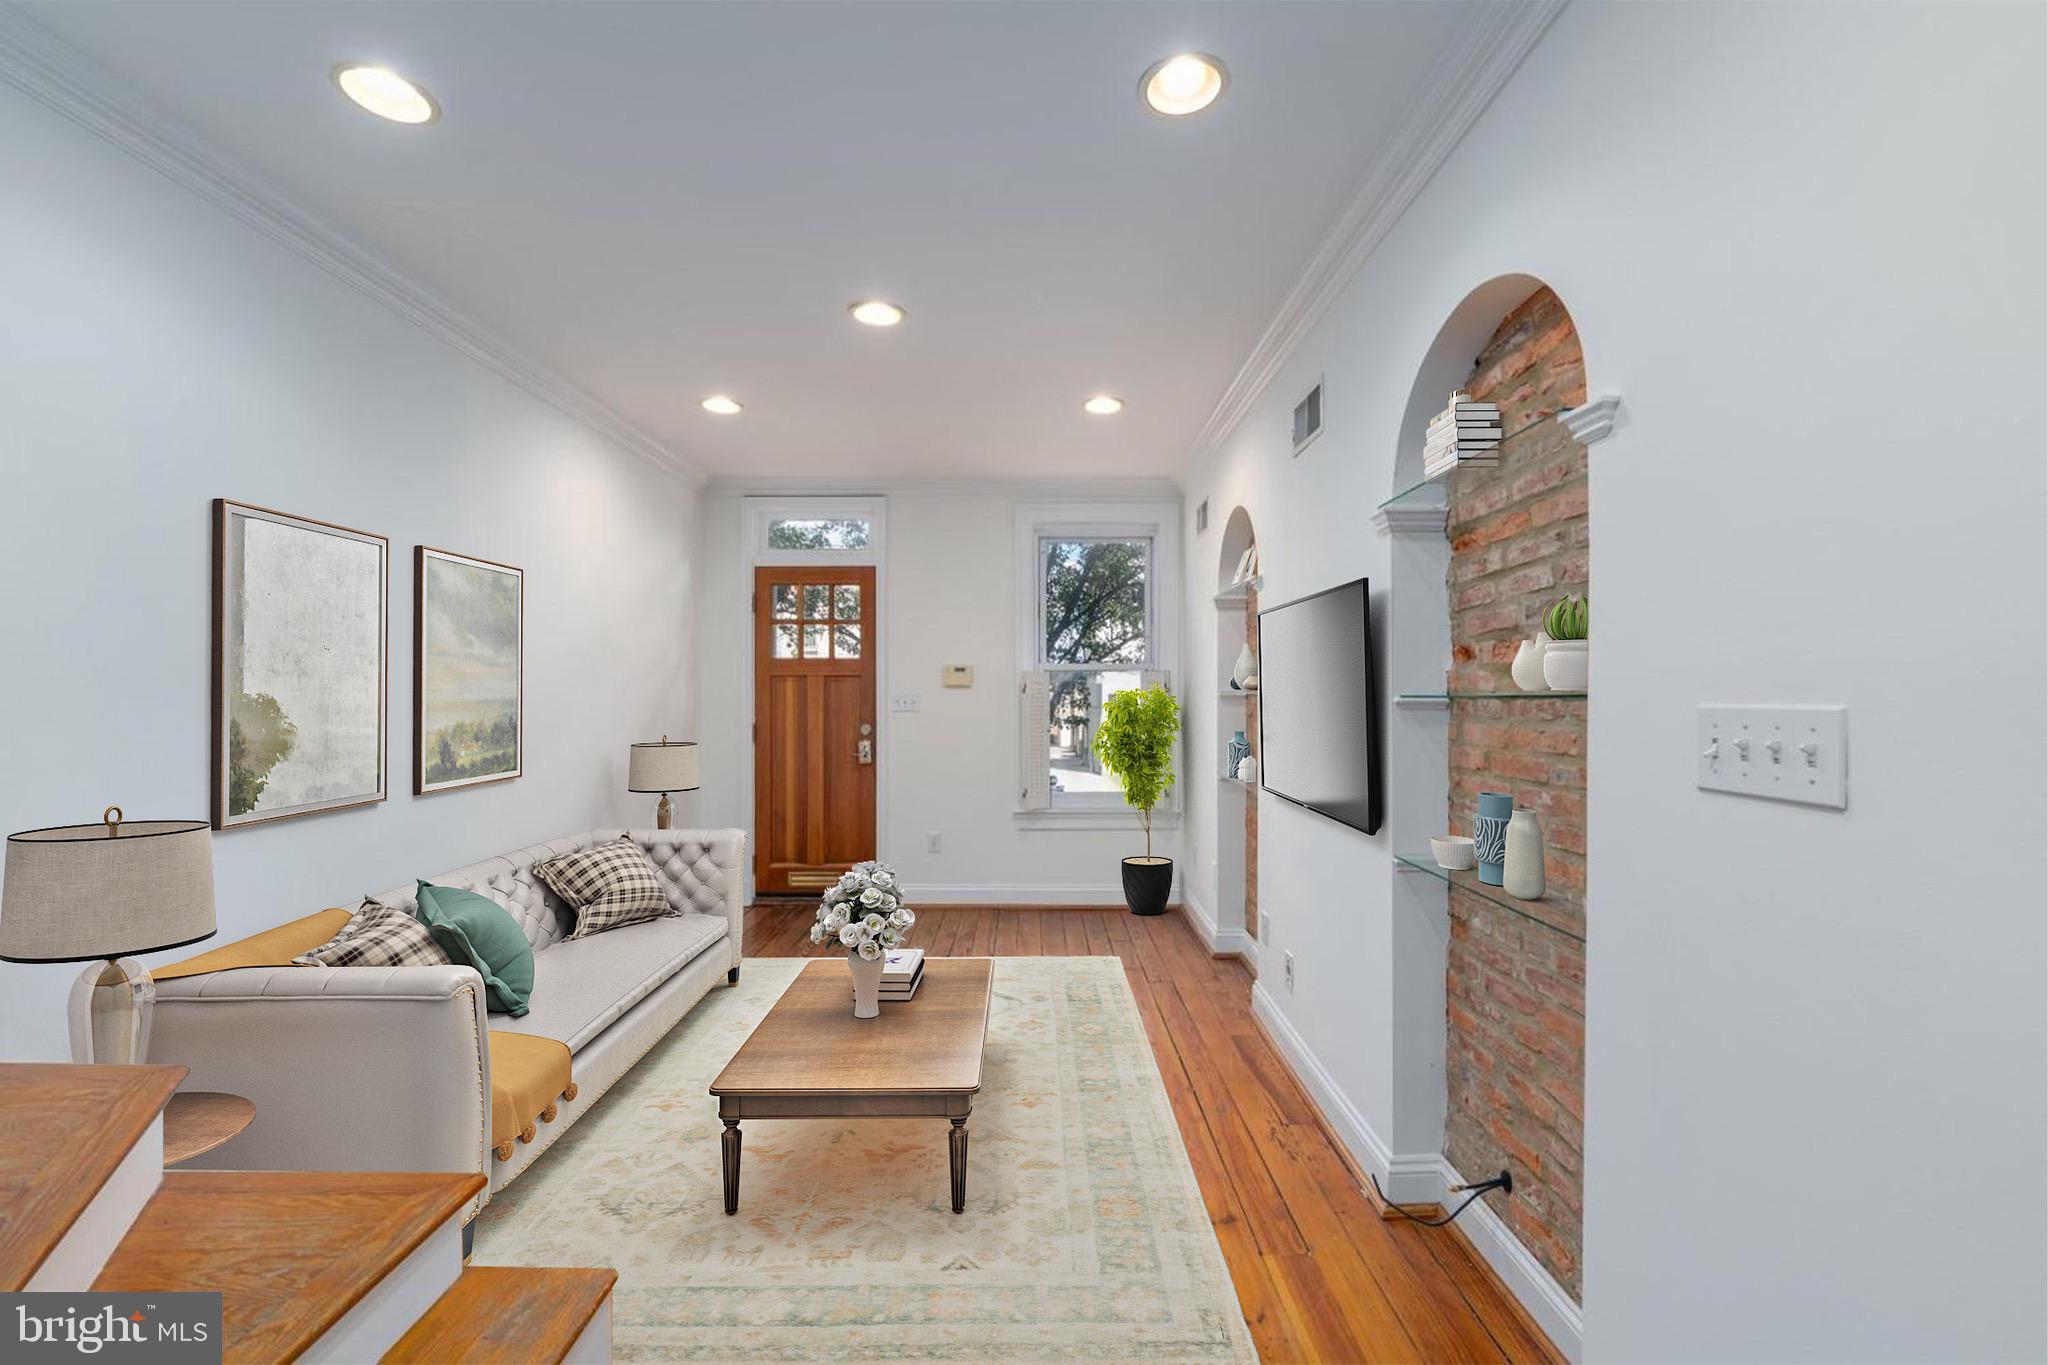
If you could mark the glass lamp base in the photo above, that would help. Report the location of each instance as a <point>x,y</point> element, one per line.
<point>110,1007</point>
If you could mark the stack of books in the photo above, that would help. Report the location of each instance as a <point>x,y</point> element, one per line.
<point>1464,435</point>
<point>902,972</point>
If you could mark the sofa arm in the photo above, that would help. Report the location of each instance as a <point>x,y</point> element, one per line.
<point>714,877</point>
<point>350,1068</point>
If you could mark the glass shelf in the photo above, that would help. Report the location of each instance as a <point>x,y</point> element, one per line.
<point>1536,912</point>
<point>1413,697</point>
<point>1414,491</point>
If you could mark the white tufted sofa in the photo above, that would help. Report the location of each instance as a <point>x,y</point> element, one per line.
<point>388,1068</point>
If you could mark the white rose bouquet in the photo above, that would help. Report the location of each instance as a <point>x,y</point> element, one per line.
<point>864,911</point>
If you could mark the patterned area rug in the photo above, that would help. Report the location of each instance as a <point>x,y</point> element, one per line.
<point>1084,1238</point>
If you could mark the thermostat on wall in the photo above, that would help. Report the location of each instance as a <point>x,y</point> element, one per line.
<point>957,675</point>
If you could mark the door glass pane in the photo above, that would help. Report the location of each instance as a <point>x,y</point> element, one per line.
<point>1094,594</point>
<point>819,533</point>
<point>1076,713</point>
<point>846,601</point>
<point>782,600</point>
<point>846,641</point>
<point>784,643</point>
<point>817,602</point>
<point>815,644</point>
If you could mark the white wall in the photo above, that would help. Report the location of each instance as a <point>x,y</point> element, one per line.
<point>948,595</point>
<point>156,354</point>
<point>1805,243</point>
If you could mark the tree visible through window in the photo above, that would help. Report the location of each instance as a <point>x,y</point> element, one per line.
<point>819,533</point>
<point>1093,638</point>
<point>1095,600</point>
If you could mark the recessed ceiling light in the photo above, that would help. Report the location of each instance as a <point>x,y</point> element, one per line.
<point>722,405</point>
<point>1183,84</point>
<point>1104,405</point>
<point>386,94</point>
<point>876,313</point>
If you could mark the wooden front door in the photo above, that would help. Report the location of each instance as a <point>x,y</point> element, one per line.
<point>814,726</point>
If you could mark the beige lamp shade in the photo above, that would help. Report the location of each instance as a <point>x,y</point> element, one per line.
<point>663,766</point>
<point>79,892</point>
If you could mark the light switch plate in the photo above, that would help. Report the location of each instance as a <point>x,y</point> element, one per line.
<point>1781,753</point>
<point>903,701</point>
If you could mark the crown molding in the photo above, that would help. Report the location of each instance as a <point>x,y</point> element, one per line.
<point>1083,488</point>
<point>1457,90</point>
<point>1590,422</point>
<point>51,71</point>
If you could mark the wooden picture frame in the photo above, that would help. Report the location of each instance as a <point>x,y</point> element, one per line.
<point>300,666</point>
<point>468,647</point>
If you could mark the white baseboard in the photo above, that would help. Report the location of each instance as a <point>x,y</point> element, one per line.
<point>1561,1319</point>
<point>1012,893</point>
<point>1223,942</point>
<point>1423,1178</point>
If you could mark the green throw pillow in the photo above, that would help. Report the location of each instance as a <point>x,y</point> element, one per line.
<point>477,930</point>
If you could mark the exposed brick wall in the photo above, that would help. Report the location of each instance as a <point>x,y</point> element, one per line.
<point>1515,1050</point>
<point>1251,793</point>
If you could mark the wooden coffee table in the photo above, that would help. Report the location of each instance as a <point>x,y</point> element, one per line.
<point>811,1059</point>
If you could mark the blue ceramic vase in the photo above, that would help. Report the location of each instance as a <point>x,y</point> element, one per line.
<point>1490,835</point>
<point>1240,749</point>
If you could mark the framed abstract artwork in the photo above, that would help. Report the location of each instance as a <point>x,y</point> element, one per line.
<point>468,671</point>
<point>300,665</point>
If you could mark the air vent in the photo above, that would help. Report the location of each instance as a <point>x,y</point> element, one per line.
<point>1202,516</point>
<point>1308,418</point>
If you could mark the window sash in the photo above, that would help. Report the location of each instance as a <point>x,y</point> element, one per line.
<point>1097,535</point>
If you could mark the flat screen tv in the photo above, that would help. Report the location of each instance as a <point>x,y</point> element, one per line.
<point>1319,728</point>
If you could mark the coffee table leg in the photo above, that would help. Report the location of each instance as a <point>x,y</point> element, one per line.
<point>956,1149</point>
<point>730,1143</point>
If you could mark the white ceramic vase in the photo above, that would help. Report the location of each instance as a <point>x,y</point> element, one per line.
<point>1244,674</point>
<point>1248,768</point>
<point>1522,871</point>
<point>1527,669</point>
<point>867,984</point>
<point>1564,665</point>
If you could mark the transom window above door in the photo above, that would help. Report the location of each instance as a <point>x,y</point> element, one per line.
<point>819,533</point>
<point>815,620</point>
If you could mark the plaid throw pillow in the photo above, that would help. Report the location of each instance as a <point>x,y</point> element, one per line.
<point>377,936</point>
<point>609,885</point>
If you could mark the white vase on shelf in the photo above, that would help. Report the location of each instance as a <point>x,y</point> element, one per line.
<point>1522,869</point>
<point>1527,669</point>
<point>1248,769</point>
<point>1244,674</point>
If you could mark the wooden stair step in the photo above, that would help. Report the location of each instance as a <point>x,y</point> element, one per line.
<point>68,1129</point>
<point>506,1315</point>
<point>290,1252</point>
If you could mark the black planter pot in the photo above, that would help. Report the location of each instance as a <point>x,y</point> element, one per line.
<point>1147,884</point>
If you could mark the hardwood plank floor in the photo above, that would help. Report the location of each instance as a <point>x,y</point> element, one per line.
<point>1320,1274</point>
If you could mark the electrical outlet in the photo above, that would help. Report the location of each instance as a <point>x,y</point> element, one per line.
<point>1288,959</point>
<point>931,842</point>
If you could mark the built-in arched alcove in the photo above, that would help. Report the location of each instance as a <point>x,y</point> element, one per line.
<point>1488,1017</point>
<point>1236,805</point>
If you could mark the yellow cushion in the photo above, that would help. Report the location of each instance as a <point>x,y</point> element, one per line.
<point>528,1074</point>
<point>271,948</point>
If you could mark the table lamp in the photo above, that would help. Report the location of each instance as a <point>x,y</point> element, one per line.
<point>667,766</point>
<point>103,894</point>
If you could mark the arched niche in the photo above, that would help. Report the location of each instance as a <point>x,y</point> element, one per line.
<point>1511,339</point>
<point>1236,802</point>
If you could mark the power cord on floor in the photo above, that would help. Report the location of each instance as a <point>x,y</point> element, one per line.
<point>1504,1182</point>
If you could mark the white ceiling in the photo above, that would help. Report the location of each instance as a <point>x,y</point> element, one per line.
<point>661,201</point>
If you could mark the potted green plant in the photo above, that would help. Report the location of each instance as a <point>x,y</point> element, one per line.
<point>1568,624</point>
<point>1135,741</point>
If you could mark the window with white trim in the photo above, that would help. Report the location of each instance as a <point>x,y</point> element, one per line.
<point>1097,607</point>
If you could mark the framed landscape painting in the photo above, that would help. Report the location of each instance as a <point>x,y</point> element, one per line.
<point>300,634</point>
<point>468,643</point>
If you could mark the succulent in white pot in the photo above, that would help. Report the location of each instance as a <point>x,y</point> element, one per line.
<point>1568,623</point>
<point>864,912</point>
